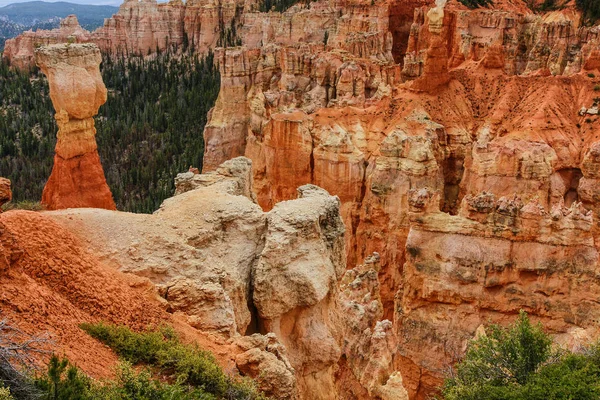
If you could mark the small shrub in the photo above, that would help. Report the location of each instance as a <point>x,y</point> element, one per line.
<point>591,75</point>
<point>503,358</point>
<point>185,364</point>
<point>63,381</point>
<point>588,120</point>
<point>596,88</point>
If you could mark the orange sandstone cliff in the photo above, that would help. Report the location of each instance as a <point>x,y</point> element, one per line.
<point>77,91</point>
<point>462,146</point>
<point>486,104</point>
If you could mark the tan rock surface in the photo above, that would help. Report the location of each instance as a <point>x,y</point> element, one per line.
<point>232,269</point>
<point>50,282</point>
<point>77,92</point>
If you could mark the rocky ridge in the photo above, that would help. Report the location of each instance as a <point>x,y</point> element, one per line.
<point>267,282</point>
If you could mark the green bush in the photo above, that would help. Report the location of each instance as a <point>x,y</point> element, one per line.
<point>517,363</point>
<point>182,363</point>
<point>476,3</point>
<point>63,381</point>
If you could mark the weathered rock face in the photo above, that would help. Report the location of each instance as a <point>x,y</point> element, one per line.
<point>295,285</point>
<point>233,269</point>
<point>369,340</point>
<point>496,257</point>
<point>20,51</point>
<point>5,192</point>
<point>264,359</point>
<point>140,27</point>
<point>77,91</point>
<point>487,100</point>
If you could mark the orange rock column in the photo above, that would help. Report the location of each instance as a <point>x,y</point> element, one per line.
<point>77,92</point>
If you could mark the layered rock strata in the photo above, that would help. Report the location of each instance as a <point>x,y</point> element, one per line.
<point>424,121</point>
<point>485,100</point>
<point>77,91</point>
<point>496,257</point>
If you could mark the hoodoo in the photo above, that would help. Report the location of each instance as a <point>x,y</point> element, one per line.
<point>77,92</point>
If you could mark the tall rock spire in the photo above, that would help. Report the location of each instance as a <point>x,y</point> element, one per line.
<point>77,92</point>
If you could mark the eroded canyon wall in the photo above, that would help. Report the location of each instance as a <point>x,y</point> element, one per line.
<point>499,101</point>
<point>462,145</point>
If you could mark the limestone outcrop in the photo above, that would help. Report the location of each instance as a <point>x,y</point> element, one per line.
<point>268,282</point>
<point>496,257</point>
<point>51,282</point>
<point>77,91</point>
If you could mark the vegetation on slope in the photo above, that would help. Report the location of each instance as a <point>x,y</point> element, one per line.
<point>187,365</point>
<point>149,130</point>
<point>165,369</point>
<point>519,363</point>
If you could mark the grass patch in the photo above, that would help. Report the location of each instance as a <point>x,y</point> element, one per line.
<point>23,205</point>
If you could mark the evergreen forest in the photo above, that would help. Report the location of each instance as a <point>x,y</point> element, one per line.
<point>590,10</point>
<point>149,130</point>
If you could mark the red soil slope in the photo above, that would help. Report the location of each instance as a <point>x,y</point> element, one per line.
<point>50,283</point>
